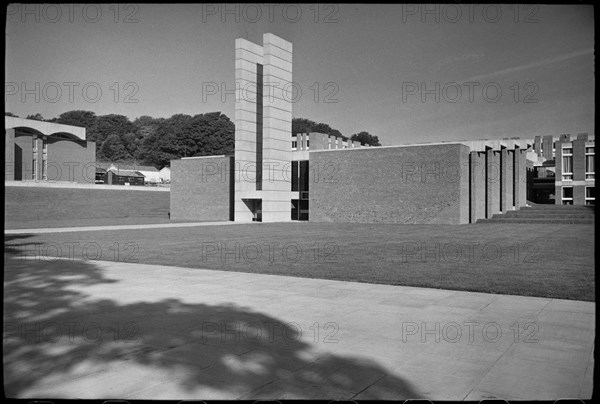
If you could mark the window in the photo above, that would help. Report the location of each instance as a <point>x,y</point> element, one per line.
<point>294,145</point>
<point>44,144</point>
<point>590,173</point>
<point>590,195</point>
<point>567,164</point>
<point>567,195</point>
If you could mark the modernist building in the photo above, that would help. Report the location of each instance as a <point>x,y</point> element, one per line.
<point>564,169</point>
<point>45,151</point>
<point>276,177</point>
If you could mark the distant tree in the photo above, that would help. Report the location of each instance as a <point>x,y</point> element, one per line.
<point>10,114</point>
<point>113,149</point>
<point>187,136</point>
<point>365,138</point>
<point>303,125</point>
<point>153,141</point>
<point>84,119</point>
<point>37,117</point>
<point>146,126</point>
<point>107,125</point>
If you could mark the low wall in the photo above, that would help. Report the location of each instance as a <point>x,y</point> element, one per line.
<point>202,188</point>
<point>398,184</point>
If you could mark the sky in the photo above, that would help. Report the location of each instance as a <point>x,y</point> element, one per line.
<point>405,73</point>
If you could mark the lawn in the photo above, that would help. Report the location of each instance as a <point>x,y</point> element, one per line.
<point>37,207</point>
<point>544,260</point>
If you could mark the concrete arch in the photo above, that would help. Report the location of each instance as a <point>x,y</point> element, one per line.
<point>44,128</point>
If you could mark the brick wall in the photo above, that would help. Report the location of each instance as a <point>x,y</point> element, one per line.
<point>412,184</point>
<point>579,160</point>
<point>69,160</point>
<point>202,189</point>
<point>579,195</point>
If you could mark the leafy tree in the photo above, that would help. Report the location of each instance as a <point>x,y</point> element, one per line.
<point>113,149</point>
<point>146,126</point>
<point>85,119</point>
<point>303,125</point>
<point>365,138</point>
<point>107,125</point>
<point>10,114</point>
<point>187,136</point>
<point>37,117</point>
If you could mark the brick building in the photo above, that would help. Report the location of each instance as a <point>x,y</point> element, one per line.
<point>275,177</point>
<point>564,169</point>
<point>46,151</point>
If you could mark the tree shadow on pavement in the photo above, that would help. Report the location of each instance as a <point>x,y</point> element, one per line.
<point>54,332</point>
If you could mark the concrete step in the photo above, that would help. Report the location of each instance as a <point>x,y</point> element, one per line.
<point>557,208</point>
<point>553,215</point>
<point>507,220</point>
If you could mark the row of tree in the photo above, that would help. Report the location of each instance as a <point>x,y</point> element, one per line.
<point>156,141</point>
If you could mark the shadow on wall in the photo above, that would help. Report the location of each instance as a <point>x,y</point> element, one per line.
<point>167,335</point>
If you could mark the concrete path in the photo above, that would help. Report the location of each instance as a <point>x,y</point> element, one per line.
<point>65,184</point>
<point>103,330</point>
<point>119,227</point>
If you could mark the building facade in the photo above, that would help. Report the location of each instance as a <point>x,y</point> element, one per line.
<point>564,169</point>
<point>276,177</point>
<point>45,151</point>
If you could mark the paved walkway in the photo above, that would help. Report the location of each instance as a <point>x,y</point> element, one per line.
<point>131,331</point>
<point>119,227</point>
<point>65,184</point>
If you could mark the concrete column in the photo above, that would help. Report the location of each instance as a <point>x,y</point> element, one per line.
<point>510,180</point>
<point>333,142</point>
<point>547,145</point>
<point>537,145</point>
<point>477,186</point>
<point>492,182</point>
<point>40,161</point>
<point>503,176</point>
<point>9,155</point>
<point>520,178</point>
<point>558,169</point>
<point>506,180</point>
<point>277,128</point>
<point>248,125</point>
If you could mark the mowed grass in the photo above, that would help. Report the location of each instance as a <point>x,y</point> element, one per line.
<point>544,260</point>
<point>38,207</point>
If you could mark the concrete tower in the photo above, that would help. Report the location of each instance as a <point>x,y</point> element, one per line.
<point>263,127</point>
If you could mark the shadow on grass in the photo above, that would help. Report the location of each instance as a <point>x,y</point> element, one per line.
<point>54,332</point>
<point>12,249</point>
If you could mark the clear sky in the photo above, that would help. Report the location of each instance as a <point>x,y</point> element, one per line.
<point>496,71</point>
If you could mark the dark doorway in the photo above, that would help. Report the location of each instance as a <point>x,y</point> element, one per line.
<point>255,206</point>
<point>18,163</point>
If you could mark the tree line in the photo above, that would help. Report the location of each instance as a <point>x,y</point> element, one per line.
<point>156,141</point>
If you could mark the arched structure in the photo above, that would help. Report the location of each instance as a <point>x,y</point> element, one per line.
<point>47,151</point>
